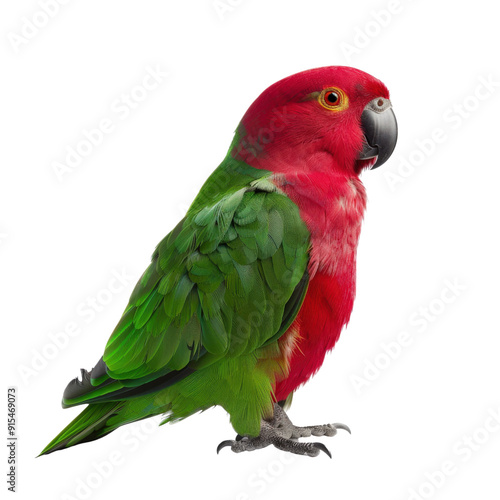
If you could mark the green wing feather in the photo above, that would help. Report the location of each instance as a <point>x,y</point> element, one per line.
<point>228,280</point>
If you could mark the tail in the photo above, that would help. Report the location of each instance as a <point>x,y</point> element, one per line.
<point>93,423</point>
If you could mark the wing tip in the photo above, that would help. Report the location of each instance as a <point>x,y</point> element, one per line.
<point>80,386</point>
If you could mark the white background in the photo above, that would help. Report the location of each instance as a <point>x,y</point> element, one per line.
<point>432,216</point>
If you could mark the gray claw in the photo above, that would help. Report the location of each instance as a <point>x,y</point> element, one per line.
<point>228,442</point>
<point>342,426</point>
<point>322,447</point>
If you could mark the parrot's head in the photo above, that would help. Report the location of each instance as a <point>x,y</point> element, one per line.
<point>335,115</point>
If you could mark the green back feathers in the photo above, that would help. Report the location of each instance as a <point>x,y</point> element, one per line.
<point>217,286</point>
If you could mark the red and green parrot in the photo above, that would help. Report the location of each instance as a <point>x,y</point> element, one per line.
<point>243,299</point>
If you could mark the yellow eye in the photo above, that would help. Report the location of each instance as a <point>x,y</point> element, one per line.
<point>333,99</point>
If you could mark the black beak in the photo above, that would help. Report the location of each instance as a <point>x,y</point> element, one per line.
<point>380,129</point>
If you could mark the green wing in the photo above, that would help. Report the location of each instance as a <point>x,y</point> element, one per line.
<point>229,279</point>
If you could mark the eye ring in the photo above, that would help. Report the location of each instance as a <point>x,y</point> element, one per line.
<point>333,99</point>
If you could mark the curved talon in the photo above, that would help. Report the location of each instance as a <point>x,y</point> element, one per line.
<point>342,426</point>
<point>322,447</point>
<point>238,437</point>
<point>228,442</point>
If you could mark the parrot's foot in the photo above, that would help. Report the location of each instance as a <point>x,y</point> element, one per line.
<point>280,432</point>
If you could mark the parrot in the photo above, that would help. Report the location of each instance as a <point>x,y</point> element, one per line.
<point>245,296</point>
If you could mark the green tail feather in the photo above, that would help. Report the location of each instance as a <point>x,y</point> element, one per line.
<point>89,425</point>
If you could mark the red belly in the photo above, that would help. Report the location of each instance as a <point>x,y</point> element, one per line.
<point>326,309</point>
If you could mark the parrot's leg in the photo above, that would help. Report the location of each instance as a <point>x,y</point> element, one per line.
<point>280,432</point>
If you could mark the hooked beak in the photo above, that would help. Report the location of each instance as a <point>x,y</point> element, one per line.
<point>380,129</point>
